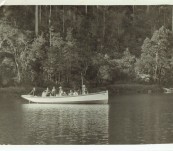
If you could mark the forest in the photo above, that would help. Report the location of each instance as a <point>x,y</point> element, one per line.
<point>101,45</point>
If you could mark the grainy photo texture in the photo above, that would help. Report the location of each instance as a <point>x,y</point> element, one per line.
<point>86,74</point>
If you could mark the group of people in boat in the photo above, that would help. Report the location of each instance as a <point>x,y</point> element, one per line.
<point>53,92</point>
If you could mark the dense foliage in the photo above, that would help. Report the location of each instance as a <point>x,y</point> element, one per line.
<point>64,45</point>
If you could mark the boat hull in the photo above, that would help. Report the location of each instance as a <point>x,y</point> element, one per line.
<point>94,98</point>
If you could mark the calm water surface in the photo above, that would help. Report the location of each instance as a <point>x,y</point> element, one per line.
<point>128,119</point>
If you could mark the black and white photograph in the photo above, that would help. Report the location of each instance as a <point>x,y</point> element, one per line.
<point>86,74</point>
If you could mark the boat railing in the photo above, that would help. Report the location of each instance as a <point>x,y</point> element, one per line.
<point>105,92</point>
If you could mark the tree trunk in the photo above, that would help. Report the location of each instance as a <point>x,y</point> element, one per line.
<point>164,18</point>
<point>67,78</point>
<point>133,9</point>
<point>160,75</point>
<point>104,21</point>
<point>16,62</point>
<point>59,77</point>
<point>133,15</point>
<point>36,20</point>
<point>148,9</point>
<point>104,27</point>
<point>56,11</point>
<point>50,32</point>
<point>118,30</point>
<point>18,71</point>
<point>63,20</point>
<point>40,15</point>
<point>86,9</point>
<point>172,18</point>
<point>156,67</point>
<point>97,14</point>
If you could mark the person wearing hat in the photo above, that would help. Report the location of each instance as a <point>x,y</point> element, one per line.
<point>75,93</point>
<point>46,92</point>
<point>60,91</point>
<point>70,93</point>
<point>53,91</point>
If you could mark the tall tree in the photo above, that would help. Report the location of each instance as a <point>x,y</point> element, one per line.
<point>172,18</point>
<point>63,19</point>
<point>86,9</point>
<point>50,26</point>
<point>36,20</point>
<point>148,9</point>
<point>40,14</point>
<point>155,55</point>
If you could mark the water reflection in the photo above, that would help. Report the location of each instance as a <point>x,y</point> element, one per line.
<point>65,124</point>
<point>130,119</point>
<point>142,119</point>
<point>10,120</point>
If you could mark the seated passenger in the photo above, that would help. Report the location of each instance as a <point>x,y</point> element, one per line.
<point>83,89</point>
<point>46,92</point>
<point>75,93</point>
<point>60,91</point>
<point>53,91</point>
<point>32,91</point>
<point>43,94</point>
<point>79,91</point>
<point>64,93</point>
<point>71,93</point>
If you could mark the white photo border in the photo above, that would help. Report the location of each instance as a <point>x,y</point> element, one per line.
<point>148,147</point>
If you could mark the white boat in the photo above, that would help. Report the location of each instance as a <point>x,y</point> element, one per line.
<point>91,98</point>
<point>168,90</point>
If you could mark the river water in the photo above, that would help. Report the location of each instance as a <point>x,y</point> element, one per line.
<point>128,119</point>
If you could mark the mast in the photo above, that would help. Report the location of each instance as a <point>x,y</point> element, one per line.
<point>82,83</point>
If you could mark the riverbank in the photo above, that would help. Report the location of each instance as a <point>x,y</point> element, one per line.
<point>134,88</point>
<point>115,89</point>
